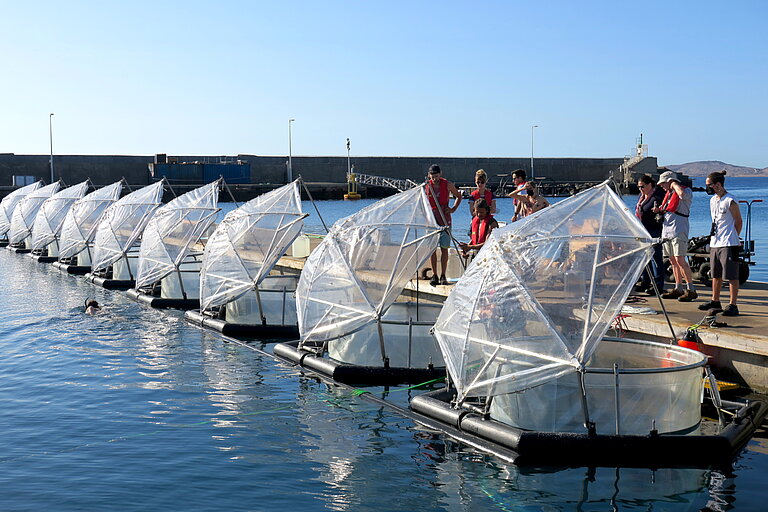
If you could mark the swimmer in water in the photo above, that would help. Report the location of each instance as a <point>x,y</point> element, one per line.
<point>92,307</point>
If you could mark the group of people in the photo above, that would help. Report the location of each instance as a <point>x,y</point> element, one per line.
<point>664,208</point>
<point>482,206</point>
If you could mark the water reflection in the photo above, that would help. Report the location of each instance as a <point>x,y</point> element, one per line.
<point>463,475</point>
<point>181,420</point>
<point>333,446</point>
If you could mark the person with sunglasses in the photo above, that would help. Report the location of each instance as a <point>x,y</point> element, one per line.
<point>651,197</point>
<point>481,192</point>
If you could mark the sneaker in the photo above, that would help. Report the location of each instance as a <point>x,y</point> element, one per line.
<point>713,304</point>
<point>434,281</point>
<point>672,294</point>
<point>650,291</point>
<point>731,310</point>
<point>641,287</point>
<point>688,296</point>
<point>443,281</point>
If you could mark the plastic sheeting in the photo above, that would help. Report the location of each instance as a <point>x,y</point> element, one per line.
<point>668,399</point>
<point>8,204</point>
<point>247,244</point>
<point>277,303</point>
<point>25,212</point>
<point>540,295</point>
<point>51,215</point>
<point>185,282</point>
<point>406,346</point>
<point>351,279</point>
<point>125,268</point>
<point>123,223</point>
<point>173,230</point>
<point>83,218</point>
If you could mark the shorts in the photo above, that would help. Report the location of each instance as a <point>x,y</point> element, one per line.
<point>725,262</point>
<point>676,246</point>
<point>445,239</point>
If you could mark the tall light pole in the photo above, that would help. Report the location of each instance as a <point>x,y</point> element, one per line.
<point>290,151</point>
<point>50,137</point>
<point>532,127</point>
<point>349,167</point>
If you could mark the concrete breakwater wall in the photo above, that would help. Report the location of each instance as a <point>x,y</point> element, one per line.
<point>105,169</point>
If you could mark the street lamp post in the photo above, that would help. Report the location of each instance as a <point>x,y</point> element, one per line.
<point>290,151</point>
<point>349,167</point>
<point>50,138</point>
<point>532,127</point>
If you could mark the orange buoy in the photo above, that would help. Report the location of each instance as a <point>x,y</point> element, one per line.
<point>693,345</point>
<point>691,340</point>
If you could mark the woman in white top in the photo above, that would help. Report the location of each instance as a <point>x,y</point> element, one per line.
<point>724,243</point>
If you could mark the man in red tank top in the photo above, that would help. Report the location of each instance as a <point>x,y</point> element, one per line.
<point>441,189</point>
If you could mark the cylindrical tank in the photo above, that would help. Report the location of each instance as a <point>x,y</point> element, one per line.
<point>658,385</point>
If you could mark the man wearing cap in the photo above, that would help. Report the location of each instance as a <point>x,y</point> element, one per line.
<point>441,188</point>
<point>676,208</point>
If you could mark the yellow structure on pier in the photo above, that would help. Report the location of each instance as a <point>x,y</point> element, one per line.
<point>352,192</point>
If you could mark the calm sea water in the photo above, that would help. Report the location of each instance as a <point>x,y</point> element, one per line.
<point>137,410</point>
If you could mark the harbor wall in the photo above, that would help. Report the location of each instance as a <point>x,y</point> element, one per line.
<point>105,169</point>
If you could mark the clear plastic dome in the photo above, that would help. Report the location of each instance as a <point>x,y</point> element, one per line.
<point>353,277</point>
<point>540,295</point>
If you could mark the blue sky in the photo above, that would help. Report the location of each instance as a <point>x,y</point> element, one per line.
<point>398,78</point>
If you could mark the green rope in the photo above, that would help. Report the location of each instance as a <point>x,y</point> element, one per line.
<point>358,392</point>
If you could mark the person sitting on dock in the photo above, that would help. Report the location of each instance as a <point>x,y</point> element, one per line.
<point>519,179</point>
<point>481,192</point>
<point>676,208</point>
<point>92,307</point>
<point>441,189</point>
<point>724,244</point>
<point>530,199</point>
<point>482,225</point>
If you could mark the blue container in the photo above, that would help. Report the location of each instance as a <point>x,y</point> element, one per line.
<point>177,173</point>
<point>232,173</point>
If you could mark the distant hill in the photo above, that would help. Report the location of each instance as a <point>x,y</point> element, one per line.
<point>709,166</point>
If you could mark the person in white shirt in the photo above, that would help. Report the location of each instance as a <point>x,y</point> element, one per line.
<point>724,243</point>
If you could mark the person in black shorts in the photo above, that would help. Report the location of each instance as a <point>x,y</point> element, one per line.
<point>724,244</point>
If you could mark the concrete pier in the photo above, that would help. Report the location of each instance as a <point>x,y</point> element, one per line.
<point>739,352</point>
<point>105,169</point>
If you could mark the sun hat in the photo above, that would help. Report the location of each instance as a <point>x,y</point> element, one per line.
<point>667,176</point>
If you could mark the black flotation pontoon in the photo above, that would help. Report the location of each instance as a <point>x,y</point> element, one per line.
<point>583,449</point>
